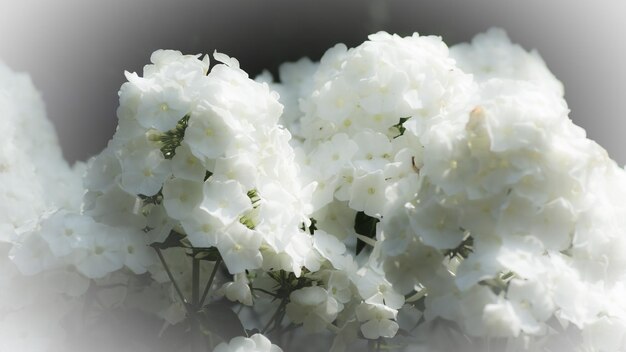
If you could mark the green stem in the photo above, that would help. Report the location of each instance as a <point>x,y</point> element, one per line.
<point>264,291</point>
<point>195,281</point>
<point>207,288</point>
<point>169,274</point>
<point>197,339</point>
<point>281,306</point>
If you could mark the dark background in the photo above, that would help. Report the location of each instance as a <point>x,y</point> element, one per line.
<point>77,50</point>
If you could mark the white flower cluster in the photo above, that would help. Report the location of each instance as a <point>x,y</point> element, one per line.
<point>207,158</point>
<point>34,179</point>
<point>199,153</point>
<point>227,181</point>
<point>492,206</point>
<point>33,175</point>
<point>436,196</point>
<point>352,143</point>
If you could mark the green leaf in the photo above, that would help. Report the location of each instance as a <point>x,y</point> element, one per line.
<point>155,199</point>
<point>400,126</point>
<point>219,319</point>
<point>173,240</point>
<point>207,175</point>
<point>364,225</point>
<point>171,139</point>
<point>311,228</point>
<point>211,254</point>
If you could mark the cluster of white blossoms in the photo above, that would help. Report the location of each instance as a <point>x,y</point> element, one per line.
<point>492,209</point>
<point>201,153</point>
<point>396,194</point>
<point>34,179</point>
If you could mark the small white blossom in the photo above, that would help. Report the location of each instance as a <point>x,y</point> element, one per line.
<point>161,107</point>
<point>181,197</point>
<point>255,343</point>
<point>238,290</point>
<point>378,320</point>
<point>226,200</point>
<point>368,193</point>
<point>144,171</point>
<point>313,307</point>
<point>239,247</point>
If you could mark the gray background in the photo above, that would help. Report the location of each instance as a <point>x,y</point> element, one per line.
<point>77,50</point>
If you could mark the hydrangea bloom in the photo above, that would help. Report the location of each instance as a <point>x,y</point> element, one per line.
<point>486,186</point>
<point>431,197</point>
<point>205,147</point>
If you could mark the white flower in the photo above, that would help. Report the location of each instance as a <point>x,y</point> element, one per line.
<point>337,102</point>
<point>605,334</point>
<point>101,252</point>
<point>296,80</point>
<point>186,166</point>
<point>180,197</point>
<point>238,290</point>
<point>368,193</point>
<point>383,95</point>
<point>492,55</point>
<point>476,319</point>
<point>240,167</point>
<point>501,320</point>
<point>331,156</point>
<point>144,171</point>
<point>255,343</point>
<point>115,208</point>
<point>313,307</point>
<point>374,150</point>
<point>239,247</point>
<point>491,206</point>
<point>330,247</point>
<point>521,255</point>
<point>337,219</point>
<point>202,228</point>
<point>339,286</point>
<point>226,200</point>
<point>438,226</point>
<point>397,233</point>
<point>103,171</point>
<point>227,60</point>
<point>138,256</point>
<point>160,225</point>
<point>174,66</point>
<point>374,288</point>
<point>402,271</point>
<point>32,255</point>
<point>532,301</point>
<point>208,133</point>
<point>161,107</point>
<point>378,320</point>
<point>63,231</point>
<point>481,264</point>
